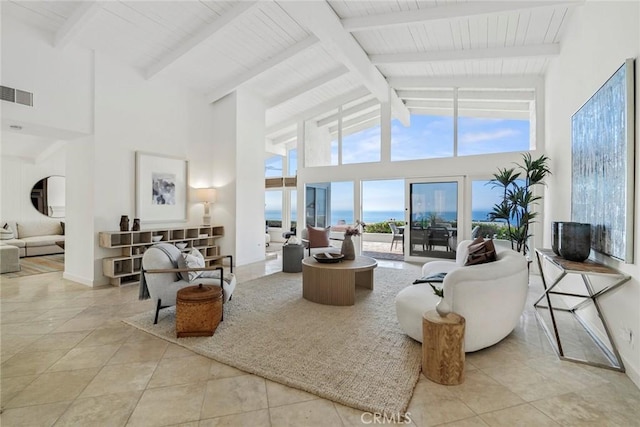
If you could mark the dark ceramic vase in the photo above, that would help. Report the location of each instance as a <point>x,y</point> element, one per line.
<point>555,237</point>
<point>574,243</point>
<point>124,223</point>
<point>136,224</point>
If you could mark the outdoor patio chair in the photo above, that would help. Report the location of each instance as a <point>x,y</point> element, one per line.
<point>397,235</point>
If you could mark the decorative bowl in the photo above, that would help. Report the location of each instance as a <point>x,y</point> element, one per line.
<point>328,258</point>
<point>181,245</point>
<point>156,238</point>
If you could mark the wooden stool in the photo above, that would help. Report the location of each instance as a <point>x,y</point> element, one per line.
<point>198,310</point>
<point>443,347</point>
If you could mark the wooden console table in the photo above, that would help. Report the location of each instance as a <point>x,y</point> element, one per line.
<point>586,270</point>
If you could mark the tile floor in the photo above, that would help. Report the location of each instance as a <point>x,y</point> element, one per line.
<point>68,360</point>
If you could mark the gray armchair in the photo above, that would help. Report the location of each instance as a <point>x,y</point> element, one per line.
<point>161,280</point>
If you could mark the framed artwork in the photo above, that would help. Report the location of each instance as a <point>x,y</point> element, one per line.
<point>161,188</point>
<point>602,149</point>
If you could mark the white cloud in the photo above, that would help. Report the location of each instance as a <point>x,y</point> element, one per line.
<point>473,137</point>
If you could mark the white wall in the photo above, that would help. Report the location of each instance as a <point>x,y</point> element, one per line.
<point>600,36</point>
<point>18,177</point>
<point>238,168</point>
<point>134,114</point>
<point>115,112</point>
<point>60,79</point>
<point>250,178</point>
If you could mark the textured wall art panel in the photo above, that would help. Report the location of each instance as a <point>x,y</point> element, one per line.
<point>602,138</point>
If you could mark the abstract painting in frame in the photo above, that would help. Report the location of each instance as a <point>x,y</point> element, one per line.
<point>161,188</point>
<point>603,150</point>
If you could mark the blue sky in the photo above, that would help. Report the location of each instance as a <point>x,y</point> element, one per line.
<point>427,137</point>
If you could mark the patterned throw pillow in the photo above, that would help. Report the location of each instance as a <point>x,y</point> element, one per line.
<point>481,251</point>
<point>193,259</point>
<point>318,237</point>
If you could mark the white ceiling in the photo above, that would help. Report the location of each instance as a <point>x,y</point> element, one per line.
<point>305,58</point>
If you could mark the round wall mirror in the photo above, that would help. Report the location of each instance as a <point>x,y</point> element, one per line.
<point>48,196</point>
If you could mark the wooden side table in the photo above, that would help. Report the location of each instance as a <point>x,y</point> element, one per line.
<point>443,347</point>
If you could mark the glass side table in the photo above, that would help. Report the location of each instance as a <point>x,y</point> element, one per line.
<point>587,270</point>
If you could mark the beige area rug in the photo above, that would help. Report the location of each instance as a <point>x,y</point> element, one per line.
<point>38,265</point>
<point>355,355</point>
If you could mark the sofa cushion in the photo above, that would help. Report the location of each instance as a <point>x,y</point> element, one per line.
<point>481,251</point>
<point>193,259</point>
<point>13,242</point>
<point>39,228</point>
<point>35,241</point>
<point>318,237</point>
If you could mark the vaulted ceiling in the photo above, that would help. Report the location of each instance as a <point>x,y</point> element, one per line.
<point>306,58</point>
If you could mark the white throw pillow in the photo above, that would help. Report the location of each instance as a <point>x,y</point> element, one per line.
<point>193,259</point>
<point>6,233</point>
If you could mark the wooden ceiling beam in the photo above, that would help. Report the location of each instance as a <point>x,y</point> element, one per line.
<point>75,23</point>
<point>448,11</point>
<point>372,103</point>
<point>467,54</point>
<point>319,18</point>
<point>318,109</point>
<point>232,84</point>
<point>200,37</point>
<point>487,95</point>
<point>307,87</point>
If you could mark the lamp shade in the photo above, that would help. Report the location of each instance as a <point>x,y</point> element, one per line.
<point>202,195</point>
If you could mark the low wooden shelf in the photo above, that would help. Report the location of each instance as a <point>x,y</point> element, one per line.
<point>443,347</point>
<point>124,267</point>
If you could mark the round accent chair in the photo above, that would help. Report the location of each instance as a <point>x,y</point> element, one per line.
<point>489,296</point>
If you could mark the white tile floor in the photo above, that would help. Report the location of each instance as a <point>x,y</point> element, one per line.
<point>67,359</point>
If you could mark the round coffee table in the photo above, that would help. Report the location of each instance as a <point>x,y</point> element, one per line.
<point>335,284</point>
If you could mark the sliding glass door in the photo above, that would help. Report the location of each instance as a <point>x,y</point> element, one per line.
<point>433,217</point>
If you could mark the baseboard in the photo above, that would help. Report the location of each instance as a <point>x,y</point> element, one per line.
<point>81,280</point>
<point>632,372</point>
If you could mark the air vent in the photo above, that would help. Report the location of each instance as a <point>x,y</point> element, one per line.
<point>16,95</point>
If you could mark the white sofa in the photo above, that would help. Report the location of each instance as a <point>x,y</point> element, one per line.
<point>35,237</point>
<point>489,296</point>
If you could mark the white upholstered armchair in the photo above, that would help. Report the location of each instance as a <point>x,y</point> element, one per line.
<point>162,276</point>
<point>490,296</point>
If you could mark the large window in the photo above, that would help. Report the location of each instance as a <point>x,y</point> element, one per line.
<point>494,121</point>
<point>346,135</point>
<point>383,200</point>
<point>273,208</point>
<point>293,162</point>
<point>341,206</point>
<point>428,136</point>
<point>273,167</point>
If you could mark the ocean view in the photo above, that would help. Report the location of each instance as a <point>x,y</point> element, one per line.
<point>379,216</point>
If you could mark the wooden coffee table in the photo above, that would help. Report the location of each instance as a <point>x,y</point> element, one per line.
<point>335,284</point>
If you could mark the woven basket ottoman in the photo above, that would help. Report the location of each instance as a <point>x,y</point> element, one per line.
<point>198,310</point>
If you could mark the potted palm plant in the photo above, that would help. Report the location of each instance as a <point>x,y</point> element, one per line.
<point>518,197</point>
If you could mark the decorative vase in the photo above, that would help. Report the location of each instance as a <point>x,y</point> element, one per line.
<point>574,241</point>
<point>443,308</point>
<point>136,224</point>
<point>348,250</point>
<point>555,237</point>
<point>124,223</point>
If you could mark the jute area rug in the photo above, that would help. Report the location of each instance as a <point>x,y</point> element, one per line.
<point>355,355</point>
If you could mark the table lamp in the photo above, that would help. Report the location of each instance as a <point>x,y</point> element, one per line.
<point>206,196</point>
